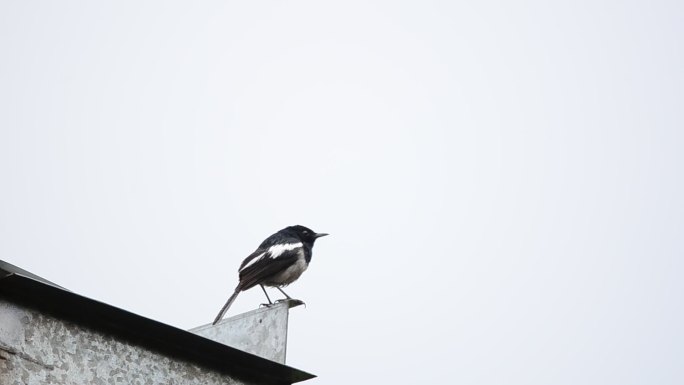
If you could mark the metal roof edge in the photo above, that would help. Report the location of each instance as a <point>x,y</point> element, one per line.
<point>27,288</point>
<point>7,268</point>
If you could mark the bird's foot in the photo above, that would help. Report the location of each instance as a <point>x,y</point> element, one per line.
<point>266,304</point>
<point>291,302</point>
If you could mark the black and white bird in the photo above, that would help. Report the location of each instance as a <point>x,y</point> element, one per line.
<point>277,262</point>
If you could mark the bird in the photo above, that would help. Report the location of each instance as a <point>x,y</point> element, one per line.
<point>278,261</point>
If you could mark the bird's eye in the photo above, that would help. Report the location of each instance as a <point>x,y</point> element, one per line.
<point>305,232</point>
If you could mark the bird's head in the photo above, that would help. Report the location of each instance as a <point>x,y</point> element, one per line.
<point>305,234</point>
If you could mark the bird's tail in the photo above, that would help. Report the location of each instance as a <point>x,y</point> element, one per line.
<point>225,307</point>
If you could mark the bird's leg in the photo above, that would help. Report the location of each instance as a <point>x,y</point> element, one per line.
<point>266,294</point>
<point>284,293</point>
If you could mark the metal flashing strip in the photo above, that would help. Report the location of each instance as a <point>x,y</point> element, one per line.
<point>262,331</point>
<point>8,269</point>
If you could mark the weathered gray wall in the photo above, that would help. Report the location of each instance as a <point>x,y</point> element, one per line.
<point>38,349</point>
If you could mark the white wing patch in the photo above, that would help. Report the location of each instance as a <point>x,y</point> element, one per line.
<point>273,252</point>
<point>276,250</point>
<point>258,257</point>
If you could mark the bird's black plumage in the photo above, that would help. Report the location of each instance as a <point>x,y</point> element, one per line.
<point>277,262</point>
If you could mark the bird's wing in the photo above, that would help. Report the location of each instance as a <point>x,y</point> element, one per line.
<point>265,263</point>
<point>270,247</point>
<point>258,253</point>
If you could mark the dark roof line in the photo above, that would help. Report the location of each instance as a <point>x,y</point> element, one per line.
<point>8,268</point>
<point>29,289</point>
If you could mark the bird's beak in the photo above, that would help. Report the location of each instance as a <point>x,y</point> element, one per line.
<point>318,235</point>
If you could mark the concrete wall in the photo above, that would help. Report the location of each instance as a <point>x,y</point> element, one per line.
<point>38,349</point>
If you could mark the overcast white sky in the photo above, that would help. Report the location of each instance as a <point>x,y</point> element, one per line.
<point>502,180</point>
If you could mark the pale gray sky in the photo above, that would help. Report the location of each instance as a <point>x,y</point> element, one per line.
<point>502,180</point>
